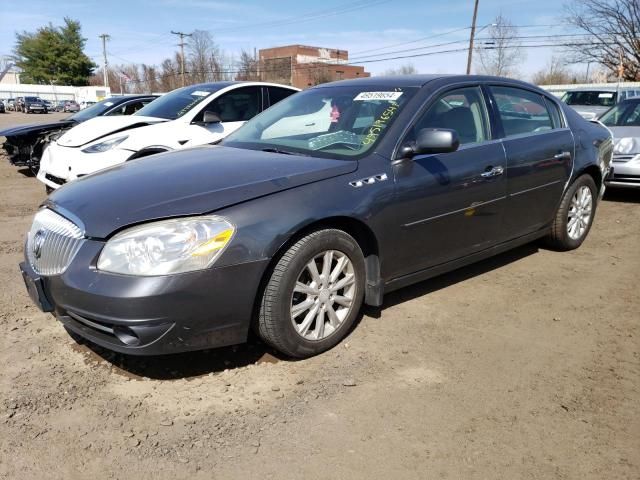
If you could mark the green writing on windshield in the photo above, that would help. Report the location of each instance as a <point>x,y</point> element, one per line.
<point>380,123</point>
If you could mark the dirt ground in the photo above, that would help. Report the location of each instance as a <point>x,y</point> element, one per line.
<point>524,366</point>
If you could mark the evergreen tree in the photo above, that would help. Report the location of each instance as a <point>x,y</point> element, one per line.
<point>54,54</point>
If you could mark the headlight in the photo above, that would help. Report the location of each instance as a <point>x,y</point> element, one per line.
<point>167,247</point>
<point>106,145</point>
<point>625,146</point>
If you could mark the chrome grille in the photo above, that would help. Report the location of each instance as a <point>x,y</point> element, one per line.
<point>52,243</point>
<point>619,158</point>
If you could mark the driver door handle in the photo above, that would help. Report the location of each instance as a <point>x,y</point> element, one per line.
<point>493,172</point>
<point>562,156</point>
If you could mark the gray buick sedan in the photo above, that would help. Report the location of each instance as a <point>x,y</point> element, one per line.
<point>330,199</point>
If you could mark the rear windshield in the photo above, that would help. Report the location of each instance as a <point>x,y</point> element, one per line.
<point>593,98</point>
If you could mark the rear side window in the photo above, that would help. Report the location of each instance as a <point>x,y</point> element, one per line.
<point>521,111</point>
<point>276,94</point>
<point>554,110</point>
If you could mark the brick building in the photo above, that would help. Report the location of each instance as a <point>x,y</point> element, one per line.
<point>303,66</point>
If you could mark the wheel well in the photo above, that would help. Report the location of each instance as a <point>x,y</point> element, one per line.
<point>594,172</point>
<point>360,232</point>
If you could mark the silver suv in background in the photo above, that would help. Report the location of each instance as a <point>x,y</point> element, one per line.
<point>590,103</point>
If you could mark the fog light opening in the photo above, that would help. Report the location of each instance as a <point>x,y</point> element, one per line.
<point>126,335</point>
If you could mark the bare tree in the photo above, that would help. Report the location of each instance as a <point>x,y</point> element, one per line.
<point>205,60</point>
<point>406,69</point>
<point>150,78</point>
<point>169,73</point>
<point>614,26</point>
<point>247,67</point>
<point>502,51</point>
<point>554,73</point>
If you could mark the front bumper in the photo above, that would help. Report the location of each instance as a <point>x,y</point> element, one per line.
<point>149,315</point>
<point>626,173</point>
<point>60,165</point>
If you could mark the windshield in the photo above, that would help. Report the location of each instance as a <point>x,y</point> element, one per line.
<point>337,122</point>
<point>625,114</point>
<point>591,98</point>
<point>94,110</point>
<point>178,102</point>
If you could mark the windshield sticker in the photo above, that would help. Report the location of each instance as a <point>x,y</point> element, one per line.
<point>108,104</point>
<point>392,96</point>
<point>378,125</point>
<point>200,93</point>
<point>605,95</point>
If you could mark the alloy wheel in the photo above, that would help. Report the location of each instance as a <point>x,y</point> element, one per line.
<point>580,212</point>
<point>323,295</point>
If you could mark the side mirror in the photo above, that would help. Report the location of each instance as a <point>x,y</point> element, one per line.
<point>432,141</point>
<point>210,117</point>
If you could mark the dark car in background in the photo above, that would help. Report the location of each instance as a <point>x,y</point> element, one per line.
<point>24,144</point>
<point>2,107</point>
<point>329,199</point>
<point>33,105</point>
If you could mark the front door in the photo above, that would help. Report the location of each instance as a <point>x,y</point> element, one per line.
<point>234,108</point>
<point>449,205</point>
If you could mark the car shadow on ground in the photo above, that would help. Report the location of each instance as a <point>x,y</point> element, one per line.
<point>26,172</point>
<point>622,195</point>
<point>456,276</point>
<point>180,365</point>
<point>196,364</point>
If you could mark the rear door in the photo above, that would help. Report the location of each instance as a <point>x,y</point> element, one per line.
<point>539,149</point>
<point>449,205</point>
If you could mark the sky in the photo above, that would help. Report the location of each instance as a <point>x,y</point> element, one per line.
<point>370,31</point>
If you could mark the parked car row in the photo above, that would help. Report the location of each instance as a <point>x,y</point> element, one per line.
<point>37,105</point>
<point>307,206</point>
<point>25,144</point>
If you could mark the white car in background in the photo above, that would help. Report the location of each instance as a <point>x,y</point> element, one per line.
<point>186,117</point>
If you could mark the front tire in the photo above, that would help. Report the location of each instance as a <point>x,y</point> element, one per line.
<point>313,295</point>
<point>575,214</point>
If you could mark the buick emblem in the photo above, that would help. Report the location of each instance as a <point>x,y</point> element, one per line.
<point>38,242</point>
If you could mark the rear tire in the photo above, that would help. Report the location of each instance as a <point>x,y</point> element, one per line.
<point>574,216</point>
<point>308,307</point>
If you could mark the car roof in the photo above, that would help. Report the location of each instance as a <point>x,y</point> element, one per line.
<point>423,79</point>
<point>602,89</point>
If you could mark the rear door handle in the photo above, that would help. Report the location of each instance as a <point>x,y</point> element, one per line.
<point>562,156</point>
<point>494,172</point>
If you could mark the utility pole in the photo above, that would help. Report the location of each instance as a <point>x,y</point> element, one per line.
<point>104,38</point>
<point>471,37</point>
<point>181,45</point>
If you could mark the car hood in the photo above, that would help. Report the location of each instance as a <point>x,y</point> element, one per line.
<point>631,136</point>
<point>186,182</point>
<point>99,127</point>
<point>34,127</point>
